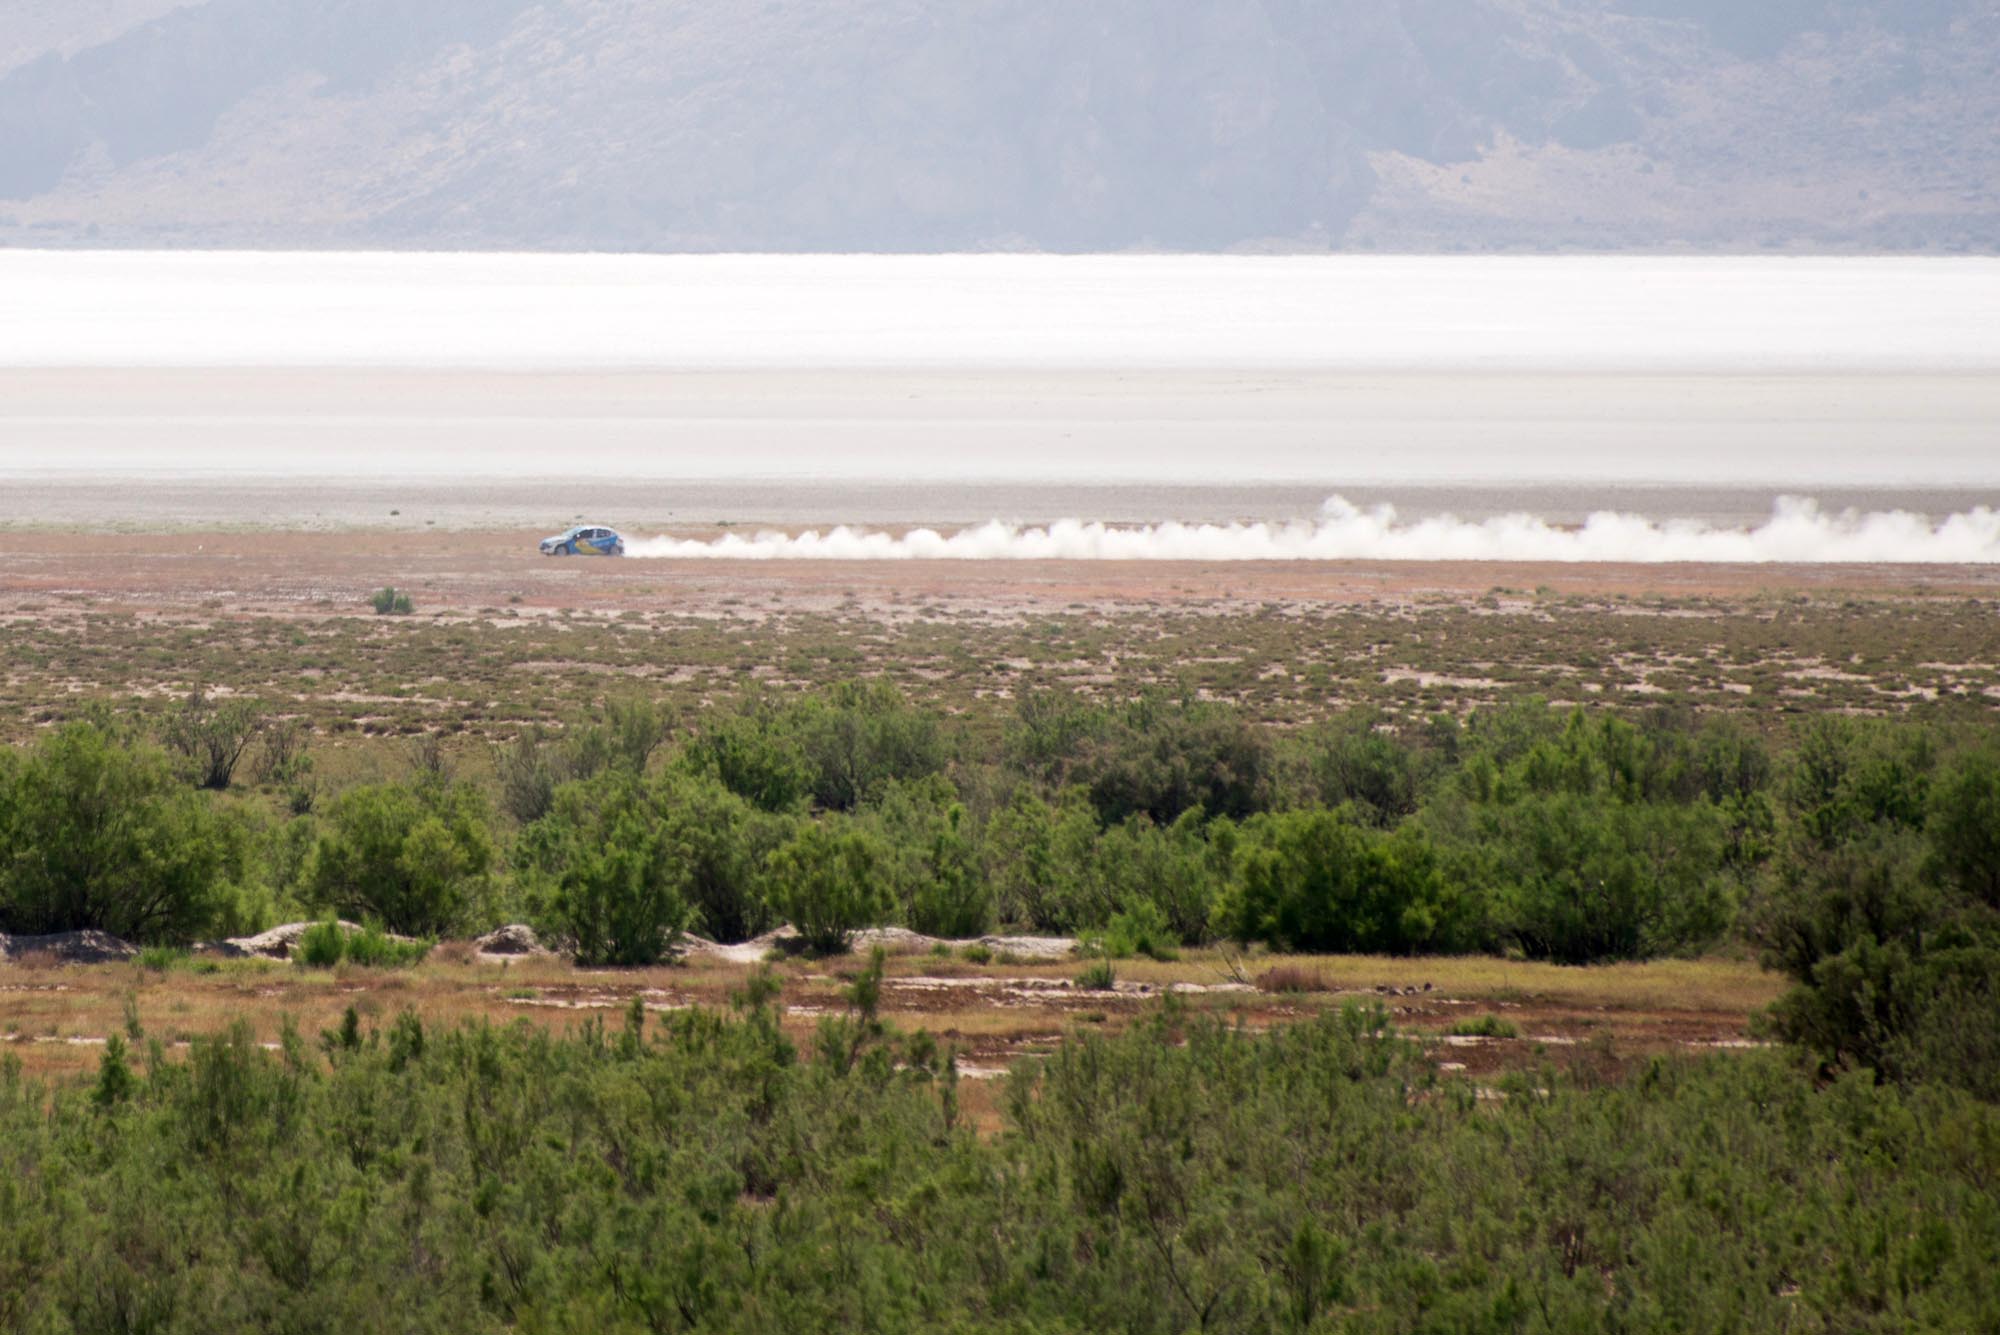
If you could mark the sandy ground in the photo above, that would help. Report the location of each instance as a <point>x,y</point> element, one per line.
<point>318,573</point>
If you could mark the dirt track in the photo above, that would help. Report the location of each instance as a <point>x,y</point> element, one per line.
<point>269,572</point>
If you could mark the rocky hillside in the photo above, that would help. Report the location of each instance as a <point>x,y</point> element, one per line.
<point>953,124</point>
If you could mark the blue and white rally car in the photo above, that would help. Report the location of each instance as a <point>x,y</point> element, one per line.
<point>585,540</point>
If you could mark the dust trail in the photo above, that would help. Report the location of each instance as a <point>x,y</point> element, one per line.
<point>1797,531</point>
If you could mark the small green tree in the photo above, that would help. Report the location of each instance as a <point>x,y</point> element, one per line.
<point>1580,880</point>
<point>619,899</point>
<point>1039,862</point>
<point>755,753</point>
<point>211,736</point>
<point>115,1081</point>
<point>934,865</point>
<point>96,833</point>
<point>1320,880</point>
<point>416,857</point>
<point>1964,825</point>
<point>830,881</point>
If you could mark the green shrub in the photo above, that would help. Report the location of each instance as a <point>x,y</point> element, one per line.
<point>659,854</point>
<point>1319,881</point>
<point>1578,880</point>
<point>322,945</point>
<point>837,748</point>
<point>1140,930</point>
<point>1485,1026</point>
<point>328,943</point>
<point>162,959</point>
<point>829,882</point>
<point>373,948</point>
<point>857,738</point>
<point>414,857</point>
<point>1964,824</point>
<point>703,1173</point>
<point>98,833</point>
<point>1161,757</point>
<point>933,861</point>
<point>388,601</point>
<point>1041,863</point>
<point>1097,976</point>
<point>619,900</point>
<point>1177,873</point>
<point>1359,761</point>
<point>1893,972</point>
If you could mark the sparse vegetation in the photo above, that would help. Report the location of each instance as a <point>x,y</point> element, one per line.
<point>1139,782</point>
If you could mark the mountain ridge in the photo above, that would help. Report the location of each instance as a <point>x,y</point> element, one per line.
<point>916,125</point>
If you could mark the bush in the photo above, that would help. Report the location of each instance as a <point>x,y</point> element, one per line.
<point>756,754</point>
<point>1485,1026</point>
<point>1161,758</point>
<point>1964,825</point>
<point>322,945</point>
<point>706,845</point>
<point>622,740</point>
<point>829,881</point>
<point>1578,880</point>
<point>1041,863</point>
<point>619,899</point>
<point>388,601</point>
<point>1359,761</point>
<point>934,862</point>
<point>1318,1176</point>
<point>326,944</point>
<point>1176,873</point>
<point>373,948</point>
<point>1893,972</point>
<point>415,858</point>
<point>96,833</point>
<point>211,737</point>
<point>838,748</point>
<point>857,738</point>
<point>1097,976</point>
<point>1140,930</point>
<point>720,842</point>
<point>163,959</point>
<point>1318,881</point>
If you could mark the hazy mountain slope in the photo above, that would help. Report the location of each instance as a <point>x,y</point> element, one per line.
<point>1063,124</point>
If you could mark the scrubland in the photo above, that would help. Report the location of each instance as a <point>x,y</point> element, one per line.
<point>1539,956</point>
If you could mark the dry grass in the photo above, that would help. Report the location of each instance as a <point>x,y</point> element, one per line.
<point>1285,978</point>
<point>993,1014</point>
